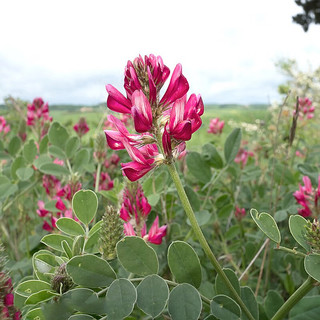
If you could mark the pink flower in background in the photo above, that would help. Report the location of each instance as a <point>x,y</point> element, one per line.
<point>38,115</point>
<point>306,109</point>
<point>134,211</point>
<point>308,198</point>
<point>105,181</point>
<point>240,213</point>
<point>216,126</point>
<point>81,128</point>
<point>4,127</point>
<point>242,156</point>
<point>169,120</point>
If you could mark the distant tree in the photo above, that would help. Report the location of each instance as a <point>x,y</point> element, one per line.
<point>311,13</point>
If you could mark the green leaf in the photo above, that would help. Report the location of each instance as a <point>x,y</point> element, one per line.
<point>202,217</point>
<point>24,174</point>
<point>272,303</point>
<point>184,263</point>
<point>18,163</point>
<point>81,317</point>
<point>225,308</point>
<point>297,226</point>
<point>57,152</point>
<point>53,169</point>
<point>308,308</point>
<point>91,271</point>
<point>267,224</point>
<point>137,257</point>
<point>54,241</point>
<point>30,151</point>
<point>249,300</point>
<point>312,266</point>
<point>43,147</point>
<point>120,299</point>
<point>58,135</point>
<point>184,303</point>
<point>153,294</point>
<point>35,314</point>
<point>85,205</point>
<point>66,248</point>
<point>198,167</point>
<point>212,156</point>
<point>40,296</point>
<point>77,247</point>
<point>6,187</point>
<point>42,159</point>
<point>72,146</point>
<point>14,145</point>
<point>30,287</point>
<point>232,145</point>
<point>220,285</point>
<point>70,226</point>
<point>81,159</point>
<point>44,262</point>
<point>193,198</point>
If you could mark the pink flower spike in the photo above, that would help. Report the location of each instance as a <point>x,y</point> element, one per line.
<point>307,184</point>
<point>60,205</point>
<point>177,88</point>
<point>156,234</point>
<point>117,101</point>
<point>128,229</point>
<point>8,300</point>
<point>141,112</point>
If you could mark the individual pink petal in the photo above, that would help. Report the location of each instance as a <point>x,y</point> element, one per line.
<point>8,300</point>
<point>156,234</point>
<point>166,142</point>
<point>177,88</point>
<point>60,205</point>
<point>124,215</point>
<point>135,170</point>
<point>128,229</point>
<point>117,101</point>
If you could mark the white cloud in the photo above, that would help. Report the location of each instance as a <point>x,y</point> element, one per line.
<point>66,51</point>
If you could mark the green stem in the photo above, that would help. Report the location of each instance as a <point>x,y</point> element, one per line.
<point>202,240</point>
<point>292,251</point>
<point>69,167</point>
<point>96,188</point>
<point>294,298</point>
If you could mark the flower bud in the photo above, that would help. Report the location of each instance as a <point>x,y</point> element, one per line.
<point>110,233</point>
<point>61,281</point>
<point>100,148</point>
<point>313,235</point>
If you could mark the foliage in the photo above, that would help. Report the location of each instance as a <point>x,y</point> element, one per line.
<point>311,13</point>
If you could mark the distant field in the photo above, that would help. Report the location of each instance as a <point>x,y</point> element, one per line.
<point>236,113</point>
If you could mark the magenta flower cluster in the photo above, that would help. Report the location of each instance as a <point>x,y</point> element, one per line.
<point>81,127</point>
<point>308,197</point>
<point>306,109</point>
<point>7,308</point>
<point>4,126</point>
<point>38,115</point>
<point>163,123</point>
<point>134,211</point>
<point>215,126</point>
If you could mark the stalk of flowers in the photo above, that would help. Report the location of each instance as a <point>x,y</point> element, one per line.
<point>135,210</point>
<point>306,109</point>
<point>81,127</point>
<point>63,197</point>
<point>38,116</point>
<point>4,126</point>
<point>242,156</point>
<point>105,182</point>
<point>163,125</point>
<point>215,126</point>
<point>7,309</point>
<point>308,198</point>
<point>240,213</point>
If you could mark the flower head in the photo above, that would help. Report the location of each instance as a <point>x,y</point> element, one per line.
<point>81,128</point>
<point>163,124</point>
<point>215,126</point>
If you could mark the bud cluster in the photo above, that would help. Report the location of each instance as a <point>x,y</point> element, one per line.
<point>313,235</point>
<point>61,282</point>
<point>110,233</point>
<point>163,124</point>
<point>81,128</point>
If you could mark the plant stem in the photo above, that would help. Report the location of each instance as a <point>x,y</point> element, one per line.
<point>96,188</point>
<point>292,251</point>
<point>294,298</point>
<point>202,240</point>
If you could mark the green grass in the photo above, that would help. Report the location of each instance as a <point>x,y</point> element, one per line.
<point>236,114</point>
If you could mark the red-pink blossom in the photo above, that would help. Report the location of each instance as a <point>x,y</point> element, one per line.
<point>240,213</point>
<point>242,156</point>
<point>216,126</point>
<point>105,182</point>
<point>308,198</point>
<point>81,128</point>
<point>4,127</point>
<point>38,115</point>
<point>156,234</point>
<point>305,108</point>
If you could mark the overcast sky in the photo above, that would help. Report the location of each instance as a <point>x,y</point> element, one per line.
<point>67,51</point>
